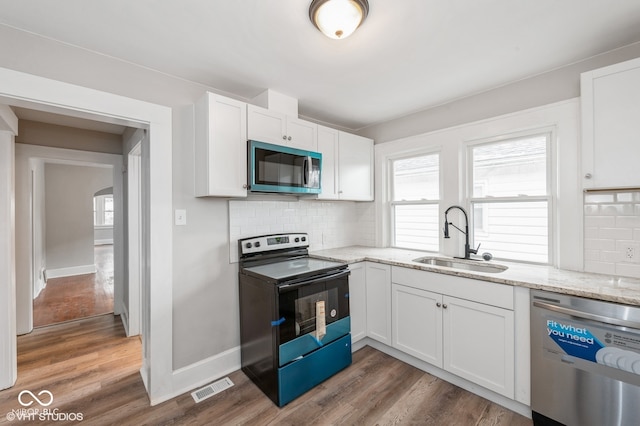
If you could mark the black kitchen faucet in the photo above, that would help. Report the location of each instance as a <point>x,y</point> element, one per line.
<point>468,251</point>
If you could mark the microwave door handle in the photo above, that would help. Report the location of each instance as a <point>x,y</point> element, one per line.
<point>306,171</point>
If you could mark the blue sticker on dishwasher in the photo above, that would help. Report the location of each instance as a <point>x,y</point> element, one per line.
<point>574,340</point>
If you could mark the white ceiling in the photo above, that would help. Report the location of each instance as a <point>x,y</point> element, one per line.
<point>409,55</point>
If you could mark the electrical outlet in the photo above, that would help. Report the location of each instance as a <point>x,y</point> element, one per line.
<point>632,253</point>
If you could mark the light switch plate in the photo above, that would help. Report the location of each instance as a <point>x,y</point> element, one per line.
<point>181,217</point>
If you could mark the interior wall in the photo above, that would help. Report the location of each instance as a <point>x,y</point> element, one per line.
<point>69,226</point>
<point>45,134</point>
<point>553,86</point>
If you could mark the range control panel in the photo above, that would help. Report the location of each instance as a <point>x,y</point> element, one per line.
<point>267,243</point>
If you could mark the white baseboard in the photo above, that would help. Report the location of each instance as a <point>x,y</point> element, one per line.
<point>201,373</point>
<point>70,271</point>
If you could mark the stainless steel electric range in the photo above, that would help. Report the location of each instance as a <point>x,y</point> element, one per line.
<point>295,328</point>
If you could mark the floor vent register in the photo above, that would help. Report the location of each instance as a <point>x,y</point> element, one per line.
<point>212,389</point>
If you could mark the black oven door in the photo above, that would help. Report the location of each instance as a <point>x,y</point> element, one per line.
<point>311,314</point>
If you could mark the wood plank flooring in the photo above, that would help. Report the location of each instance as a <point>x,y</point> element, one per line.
<point>80,296</point>
<point>91,368</point>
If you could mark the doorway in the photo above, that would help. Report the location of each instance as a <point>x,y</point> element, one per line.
<point>78,255</point>
<point>31,91</point>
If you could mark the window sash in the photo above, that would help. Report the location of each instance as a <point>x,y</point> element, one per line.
<point>544,257</point>
<point>422,235</point>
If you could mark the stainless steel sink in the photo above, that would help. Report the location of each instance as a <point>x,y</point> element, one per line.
<point>467,265</point>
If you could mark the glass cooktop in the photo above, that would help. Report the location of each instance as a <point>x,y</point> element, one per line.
<point>287,269</point>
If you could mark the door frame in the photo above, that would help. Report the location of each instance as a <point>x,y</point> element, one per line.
<point>135,272</point>
<point>34,92</point>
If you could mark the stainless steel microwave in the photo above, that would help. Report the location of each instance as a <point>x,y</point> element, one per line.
<point>276,168</point>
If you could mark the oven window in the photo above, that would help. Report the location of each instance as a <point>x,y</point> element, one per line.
<point>306,308</point>
<point>298,307</point>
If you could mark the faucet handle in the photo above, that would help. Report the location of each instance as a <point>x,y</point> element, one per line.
<point>475,251</point>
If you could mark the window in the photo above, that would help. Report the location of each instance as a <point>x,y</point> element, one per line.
<point>103,210</point>
<point>510,197</point>
<point>415,197</point>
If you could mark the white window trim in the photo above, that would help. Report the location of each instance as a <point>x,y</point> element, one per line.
<point>389,185</point>
<point>550,198</point>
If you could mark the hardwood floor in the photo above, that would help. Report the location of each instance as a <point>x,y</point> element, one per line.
<point>92,370</point>
<point>80,296</point>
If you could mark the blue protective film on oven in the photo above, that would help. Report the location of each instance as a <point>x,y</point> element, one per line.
<point>307,343</point>
<point>277,322</point>
<point>298,377</point>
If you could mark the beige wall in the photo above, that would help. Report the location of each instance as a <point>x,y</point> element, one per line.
<point>69,230</point>
<point>36,133</point>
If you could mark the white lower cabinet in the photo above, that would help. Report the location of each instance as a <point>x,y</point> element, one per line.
<point>417,323</point>
<point>378,277</point>
<point>358,301</point>
<point>472,340</point>
<point>478,344</point>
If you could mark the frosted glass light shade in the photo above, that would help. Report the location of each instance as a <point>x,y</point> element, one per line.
<point>338,19</point>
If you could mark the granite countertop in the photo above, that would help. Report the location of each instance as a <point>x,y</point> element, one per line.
<point>594,286</point>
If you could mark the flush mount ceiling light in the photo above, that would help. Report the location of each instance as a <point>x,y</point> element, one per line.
<point>338,19</point>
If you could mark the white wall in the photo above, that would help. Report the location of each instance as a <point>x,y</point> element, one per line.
<point>69,191</point>
<point>546,88</point>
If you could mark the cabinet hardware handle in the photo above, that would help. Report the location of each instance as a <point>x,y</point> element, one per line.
<point>245,186</point>
<point>284,137</point>
<point>444,306</point>
<point>438,304</point>
<point>587,176</point>
<point>289,138</point>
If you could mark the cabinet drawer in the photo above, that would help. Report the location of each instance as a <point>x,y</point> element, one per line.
<point>500,295</point>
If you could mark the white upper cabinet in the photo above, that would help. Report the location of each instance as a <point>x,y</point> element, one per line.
<point>277,128</point>
<point>347,165</point>
<point>611,126</point>
<point>220,147</point>
<point>355,167</point>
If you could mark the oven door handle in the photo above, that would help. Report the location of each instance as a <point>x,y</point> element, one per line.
<point>329,276</point>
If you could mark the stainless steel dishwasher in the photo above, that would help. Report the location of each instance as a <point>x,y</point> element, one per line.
<point>585,361</point>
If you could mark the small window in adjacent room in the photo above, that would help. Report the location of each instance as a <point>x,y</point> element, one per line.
<point>510,197</point>
<point>103,210</point>
<point>415,202</point>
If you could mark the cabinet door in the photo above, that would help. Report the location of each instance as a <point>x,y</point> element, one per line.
<point>220,147</point>
<point>265,125</point>
<point>611,126</point>
<point>355,168</point>
<point>417,323</point>
<point>301,134</point>
<point>479,344</point>
<point>358,301</point>
<point>328,147</point>
<point>379,302</point>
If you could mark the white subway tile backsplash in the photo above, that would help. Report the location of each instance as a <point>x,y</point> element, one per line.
<point>611,225</point>
<point>600,267</point>
<point>329,224</point>
<point>599,244</point>
<point>599,221</point>
<point>615,233</point>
